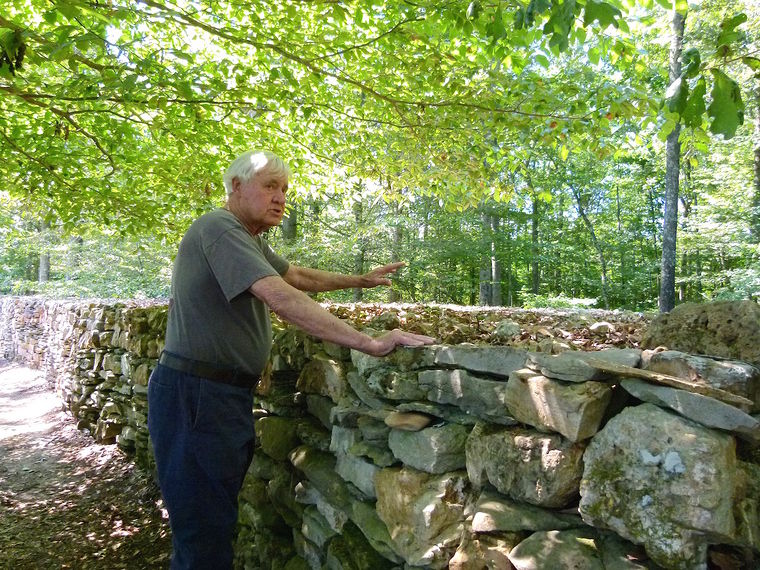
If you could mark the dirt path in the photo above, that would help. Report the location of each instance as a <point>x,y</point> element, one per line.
<point>65,501</point>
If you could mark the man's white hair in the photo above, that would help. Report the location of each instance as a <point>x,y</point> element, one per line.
<point>250,163</point>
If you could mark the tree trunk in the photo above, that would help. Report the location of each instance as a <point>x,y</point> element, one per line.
<point>361,248</point>
<point>43,269</point>
<point>495,264</point>
<point>667,298</point>
<point>484,297</point>
<point>597,246</point>
<point>535,267</point>
<point>755,219</point>
<point>394,295</point>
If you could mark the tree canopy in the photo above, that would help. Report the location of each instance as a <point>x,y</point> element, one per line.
<point>122,115</point>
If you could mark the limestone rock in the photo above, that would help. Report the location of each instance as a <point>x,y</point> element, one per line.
<point>404,358</point>
<point>557,549</point>
<point>436,449</point>
<point>496,513</point>
<point>574,410</point>
<point>747,506</point>
<point>730,329</point>
<point>395,385</point>
<point>358,471</point>
<point>498,361</point>
<point>477,396</point>
<point>445,412</point>
<point>662,481</point>
<point>407,421</point>
<point>321,408</point>
<point>365,517</point>
<point>424,513</point>
<point>573,366</point>
<point>364,393</point>
<point>315,526</point>
<point>319,468</point>
<point>540,469</point>
<point>706,411</point>
<point>324,376</point>
<point>602,327</point>
<point>736,377</point>
<point>484,551</point>
<point>306,494</point>
<point>506,329</point>
<point>277,436</point>
<point>351,551</point>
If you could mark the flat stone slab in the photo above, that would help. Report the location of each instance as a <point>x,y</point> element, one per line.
<point>574,549</point>
<point>574,366</point>
<point>436,449</point>
<point>737,377</point>
<point>480,397</point>
<point>498,361</point>
<point>496,513</point>
<point>573,409</point>
<point>706,411</point>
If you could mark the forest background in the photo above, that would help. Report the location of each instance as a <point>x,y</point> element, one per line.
<point>532,153</point>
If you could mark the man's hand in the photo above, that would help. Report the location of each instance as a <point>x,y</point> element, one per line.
<point>378,275</point>
<point>385,344</point>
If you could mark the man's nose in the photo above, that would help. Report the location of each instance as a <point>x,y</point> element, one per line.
<point>279,196</point>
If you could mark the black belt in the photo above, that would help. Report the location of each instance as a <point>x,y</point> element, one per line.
<point>208,371</point>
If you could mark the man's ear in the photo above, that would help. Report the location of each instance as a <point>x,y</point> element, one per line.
<point>236,184</point>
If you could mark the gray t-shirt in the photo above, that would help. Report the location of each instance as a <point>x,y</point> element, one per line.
<point>213,317</point>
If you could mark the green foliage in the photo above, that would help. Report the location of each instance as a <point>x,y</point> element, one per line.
<point>727,107</point>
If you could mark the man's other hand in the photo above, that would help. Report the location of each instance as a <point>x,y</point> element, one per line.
<point>385,343</point>
<point>378,275</point>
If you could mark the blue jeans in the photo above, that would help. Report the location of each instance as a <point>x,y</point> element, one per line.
<point>202,434</point>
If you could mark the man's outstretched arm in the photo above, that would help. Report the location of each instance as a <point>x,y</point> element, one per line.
<point>316,280</point>
<point>298,308</point>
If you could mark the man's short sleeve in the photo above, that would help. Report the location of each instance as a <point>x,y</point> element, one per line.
<point>238,260</point>
<point>280,264</point>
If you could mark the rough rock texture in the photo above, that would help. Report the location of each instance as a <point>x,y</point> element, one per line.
<point>480,551</point>
<point>572,366</point>
<point>574,410</point>
<point>736,377</point>
<point>669,485</point>
<point>730,329</point>
<point>435,449</point>
<point>494,512</point>
<point>424,513</point>
<point>529,466</point>
<point>480,397</point>
<point>558,549</point>
<point>703,410</point>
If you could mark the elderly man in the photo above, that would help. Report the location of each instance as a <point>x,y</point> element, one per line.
<point>200,398</point>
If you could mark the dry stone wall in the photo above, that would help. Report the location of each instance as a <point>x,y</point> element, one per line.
<point>462,457</point>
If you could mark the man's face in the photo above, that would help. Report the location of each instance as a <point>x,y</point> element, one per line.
<point>260,202</point>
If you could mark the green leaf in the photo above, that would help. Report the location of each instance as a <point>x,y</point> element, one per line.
<point>474,10</point>
<point>695,106</point>
<point>68,9</point>
<point>691,60</point>
<point>535,9</point>
<point>606,14</point>
<point>727,107</point>
<point>676,96</point>
<point>560,23</point>
<point>495,28</point>
<point>593,55</point>
<point>752,62</point>
<point>728,34</point>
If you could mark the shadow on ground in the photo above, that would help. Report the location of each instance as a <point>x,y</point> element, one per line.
<point>66,501</point>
